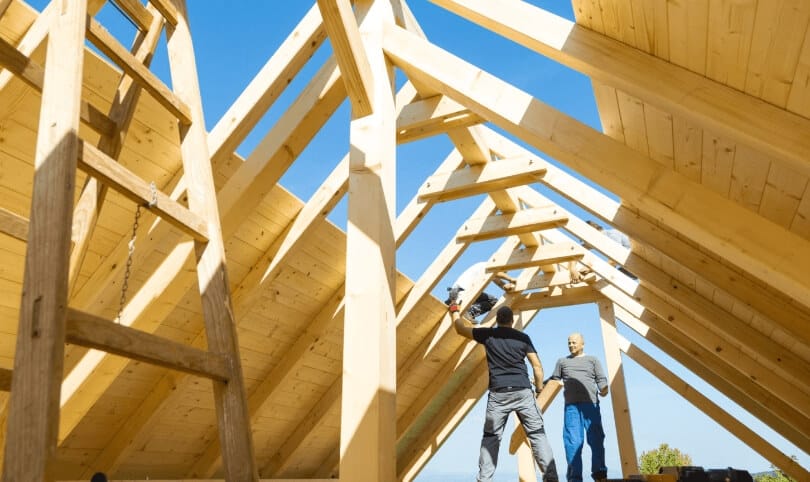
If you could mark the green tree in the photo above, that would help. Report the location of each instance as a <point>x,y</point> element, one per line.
<point>664,456</point>
<point>777,476</point>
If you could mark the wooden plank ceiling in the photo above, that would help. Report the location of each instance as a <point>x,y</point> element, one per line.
<point>741,327</point>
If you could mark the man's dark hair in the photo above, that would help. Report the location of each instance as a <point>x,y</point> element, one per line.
<point>98,477</point>
<point>504,316</point>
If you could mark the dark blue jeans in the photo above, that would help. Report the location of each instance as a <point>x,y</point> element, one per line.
<point>579,418</point>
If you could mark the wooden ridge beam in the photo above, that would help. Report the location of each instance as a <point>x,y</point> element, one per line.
<point>558,252</point>
<point>266,86</point>
<point>132,186</point>
<point>432,116</point>
<point>113,49</point>
<point>14,225</point>
<point>474,180</point>
<point>718,224</point>
<point>344,35</point>
<point>724,110</point>
<point>502,225</point>
<point>714,411</point>
<point>32,74</point>
<point>94,332</point>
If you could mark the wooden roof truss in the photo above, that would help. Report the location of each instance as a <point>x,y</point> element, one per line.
<point>298,393</point>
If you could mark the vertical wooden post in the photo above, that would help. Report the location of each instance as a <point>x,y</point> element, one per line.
<point>618,390</point>
<point>235,435</point>
<point>368,416</point>
<point>34,403</point>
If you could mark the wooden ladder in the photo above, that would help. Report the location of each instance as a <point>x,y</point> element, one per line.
<point>54,255</point>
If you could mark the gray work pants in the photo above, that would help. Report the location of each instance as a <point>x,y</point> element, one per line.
<point>499,406</point>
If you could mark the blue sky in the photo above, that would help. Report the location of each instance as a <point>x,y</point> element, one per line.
<point>233,40</point>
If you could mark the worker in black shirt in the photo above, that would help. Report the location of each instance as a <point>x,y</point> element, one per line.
<point>509,390</point>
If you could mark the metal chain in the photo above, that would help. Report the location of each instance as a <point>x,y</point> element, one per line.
<point>131,250</point>
<point>128,266</point>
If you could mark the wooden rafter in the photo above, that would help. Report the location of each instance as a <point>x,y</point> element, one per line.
<point>718,414</point>
<point>344,35</point>
<point>650,187</point>
<point>723,109</point>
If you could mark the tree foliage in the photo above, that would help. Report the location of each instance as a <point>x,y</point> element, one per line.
<point>777,475</point>
<point>663,456</point>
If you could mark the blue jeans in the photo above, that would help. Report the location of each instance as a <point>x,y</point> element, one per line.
<point>579,418</point>
<point>499,406</point>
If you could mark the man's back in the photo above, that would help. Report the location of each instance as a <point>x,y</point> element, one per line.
<point>506,349</point>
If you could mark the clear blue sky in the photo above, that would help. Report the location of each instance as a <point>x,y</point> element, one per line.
<point>234,39</point>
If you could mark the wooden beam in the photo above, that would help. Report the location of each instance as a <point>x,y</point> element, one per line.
<point>94,332</point>
<point>267,86</point>
<point>718,224</point>
<point>368,407</point>
<point>714,411</point>
<point>87,208</point>
<point>32,74</point>
<point>115,175</point>
<point>14,225</point>
<point>471,181</point>
<point>328,316</point>
<point>33,413</point>
<point>405,222</point>
<point>531,257</point>
<point>212,274</point>
<point>135,10</point>
<point>5,379</point>
<point>770,303</point>
<point>280,146</point>
<point>719,108</point>
<point>432,116</point>
<point>558,296</point>
<point>727,373</point>
<point>704,365</point>
<point>618,389</point>
<point>264,272</point>
<point>169,10</point>
<point>785,361</point>
<point>108,44</point>
<point>502,225</point>
<point>344,35</point>
<point>638,300</point>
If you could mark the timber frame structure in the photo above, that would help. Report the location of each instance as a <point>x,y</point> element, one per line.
<point>705,108</point>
